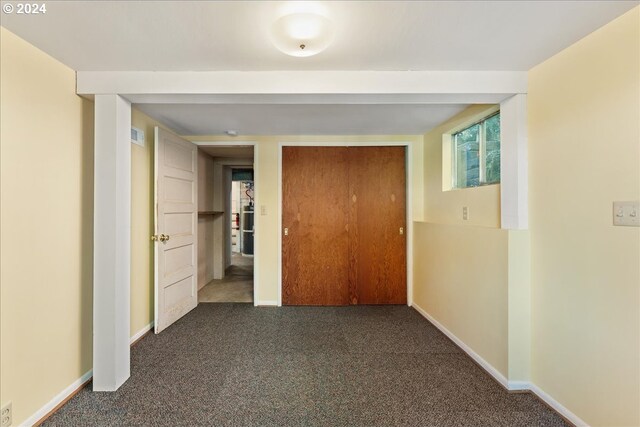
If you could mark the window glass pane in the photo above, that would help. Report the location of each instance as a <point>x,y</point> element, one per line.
<point>467,160</point>
<point>492,141</point>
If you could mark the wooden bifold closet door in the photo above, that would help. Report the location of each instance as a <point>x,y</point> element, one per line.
<point>344,226</point>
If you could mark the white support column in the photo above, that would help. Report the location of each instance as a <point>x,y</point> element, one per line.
<point>112,242</point>
<point>514,163</point>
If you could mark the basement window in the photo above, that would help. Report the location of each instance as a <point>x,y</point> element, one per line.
<point>476,154</point>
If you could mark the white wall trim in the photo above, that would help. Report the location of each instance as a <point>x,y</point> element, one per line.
<point>409,220</point>
<point>475,356</point>
<point>322,98</point>
<point>352,82</point>
<point>256,200</point>
<point>256,227</point>
<point>279,213</point>
<point>229,143</point>
<point>408,208</point>
<point>518,385</point>
<point>140,333</point>
<point>59,398</point>
<point>509,385</point>
<point>267,303</point>
<point>557,406</point>
<point>74,386</point>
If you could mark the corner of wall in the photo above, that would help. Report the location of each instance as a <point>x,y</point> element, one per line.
<point>519,300</point>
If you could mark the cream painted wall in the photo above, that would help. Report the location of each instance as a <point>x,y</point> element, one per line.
<point>484,300</point>
<point>445,207</point>
<point>469,298</point>
<point>47,228</point>
<point>205,222</point>
<point>47,218</point>
<point>266,190</point>
<point>584,153</point>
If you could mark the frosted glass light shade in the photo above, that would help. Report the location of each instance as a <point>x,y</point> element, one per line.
<point>302,34</point>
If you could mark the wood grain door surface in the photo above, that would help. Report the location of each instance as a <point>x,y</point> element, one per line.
<point>377,225</point>
<point>315,242</point>
<point>343,209</point>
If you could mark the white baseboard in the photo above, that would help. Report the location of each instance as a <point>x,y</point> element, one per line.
<point>266,303</point>
<point>140,333</point>
<point>509,385</point>
<point>518,385</point>
<point>40,413</point>
<point>475,356</point>
<point>557,406</point>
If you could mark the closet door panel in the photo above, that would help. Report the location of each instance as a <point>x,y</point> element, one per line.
<point>377,233</point>
<point>315,212</point>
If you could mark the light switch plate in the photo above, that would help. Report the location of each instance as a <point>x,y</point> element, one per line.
<point>626,213</point>
<point>465,213</point>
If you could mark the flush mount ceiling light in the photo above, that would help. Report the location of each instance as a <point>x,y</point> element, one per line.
<point>302,34</point>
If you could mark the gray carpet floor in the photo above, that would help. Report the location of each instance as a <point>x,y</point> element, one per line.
<point>238,365</point>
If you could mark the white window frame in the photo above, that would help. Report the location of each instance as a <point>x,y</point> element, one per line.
<point>482,154</point>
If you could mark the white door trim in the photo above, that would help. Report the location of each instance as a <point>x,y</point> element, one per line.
<point>256,200</point>
<point>408,208</point>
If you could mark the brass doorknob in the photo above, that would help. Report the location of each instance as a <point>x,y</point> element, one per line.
<point>164,237</point>
<point>154,238</point>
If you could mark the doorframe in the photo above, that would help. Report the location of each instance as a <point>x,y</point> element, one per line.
<point>408,206</point>
<point>256,198</point>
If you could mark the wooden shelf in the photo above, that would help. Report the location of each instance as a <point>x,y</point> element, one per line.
<point>213,213</point>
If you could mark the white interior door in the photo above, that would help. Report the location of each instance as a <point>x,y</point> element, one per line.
<point>176,252</point>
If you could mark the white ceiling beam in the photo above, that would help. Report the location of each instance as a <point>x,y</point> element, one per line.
<point>318,99</point>
<point>476,84</point>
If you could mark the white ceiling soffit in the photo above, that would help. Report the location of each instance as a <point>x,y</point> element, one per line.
<point>297,119</point>
<point>330,98</point>
<point>369,35</point>
<point>243,153</point>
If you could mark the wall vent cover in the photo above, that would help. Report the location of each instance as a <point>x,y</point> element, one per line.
<point>137,136</point>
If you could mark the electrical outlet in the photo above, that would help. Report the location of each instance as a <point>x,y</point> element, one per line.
<point>465,213</point>
<point>6,415</point>
<point>626,213</point>
<point>263,210</point>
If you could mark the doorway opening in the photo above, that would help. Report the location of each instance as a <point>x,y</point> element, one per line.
<point>226,237</point>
